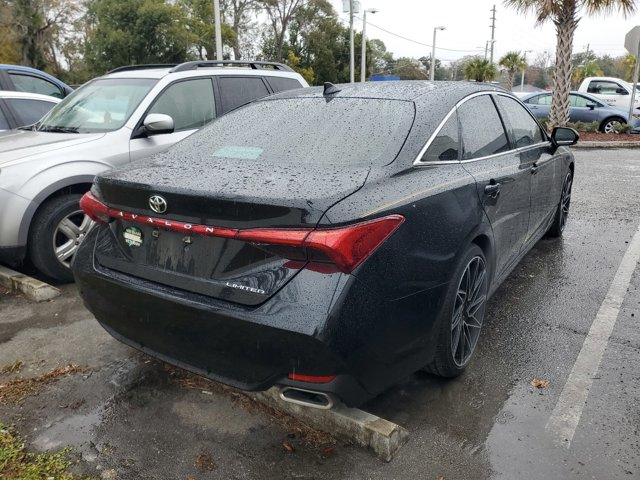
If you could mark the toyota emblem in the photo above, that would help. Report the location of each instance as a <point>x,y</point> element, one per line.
<point>158,204</point>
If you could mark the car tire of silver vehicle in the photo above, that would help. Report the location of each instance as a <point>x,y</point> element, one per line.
<point>459,327</point>
<point>562,212</point>
<point>609,125</point>
<point>56,231</point>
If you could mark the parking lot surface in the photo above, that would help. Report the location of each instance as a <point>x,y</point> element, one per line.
<point>130,417</point>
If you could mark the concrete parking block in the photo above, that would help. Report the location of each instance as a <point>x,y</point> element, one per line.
<point>31,288</point>
<point>587,144</point>
<point>383,437</point>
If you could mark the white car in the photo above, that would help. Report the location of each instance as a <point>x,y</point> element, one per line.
<point>131,113</point>
<point>18,109</point>
<point>612,91</point>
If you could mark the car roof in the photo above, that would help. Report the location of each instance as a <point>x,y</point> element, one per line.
<point>20,68</point>
<point>29,96</point>
<point>419,91</point>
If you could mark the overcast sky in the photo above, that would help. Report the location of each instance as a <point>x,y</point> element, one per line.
<point>468,23</point>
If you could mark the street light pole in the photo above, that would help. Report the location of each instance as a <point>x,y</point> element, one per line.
<point>363,65</point>
<point>433,54</point>
<point>352,65</point>
<point>523,69</point>
<point>216,16</point>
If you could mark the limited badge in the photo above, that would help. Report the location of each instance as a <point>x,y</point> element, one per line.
<point>133,236</point>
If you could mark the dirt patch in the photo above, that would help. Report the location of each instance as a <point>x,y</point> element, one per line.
<point>20,388</point>
<point>296,429</point>
<point>609,137</point>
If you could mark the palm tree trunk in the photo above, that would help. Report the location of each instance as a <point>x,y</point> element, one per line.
<point>566,25</point>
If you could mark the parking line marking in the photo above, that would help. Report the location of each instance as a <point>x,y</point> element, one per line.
<point>566,415</point>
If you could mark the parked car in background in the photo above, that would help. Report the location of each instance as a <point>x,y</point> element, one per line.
<point>326,241</point>
<point>18,109</point>
<point>112,120</point>
<point>584,108</point>
<point>27,79</point>
<point>612,91</point>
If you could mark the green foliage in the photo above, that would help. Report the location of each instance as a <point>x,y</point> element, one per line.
<point>294,62</point>
<point>479,69</point>
<point>16,463</point>
<point>130,32</point>
<point>584,127</point>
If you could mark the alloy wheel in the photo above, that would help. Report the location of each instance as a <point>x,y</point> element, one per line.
<point>68,234</point>
<point>468,311</point>
<point>565,200</point>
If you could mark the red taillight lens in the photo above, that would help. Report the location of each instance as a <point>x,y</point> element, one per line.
<point>343,248</point>
<point>311,378</point>
<point>95,209</point>
<point>348,247</point>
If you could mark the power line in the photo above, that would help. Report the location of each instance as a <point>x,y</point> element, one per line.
<point>411,40</point>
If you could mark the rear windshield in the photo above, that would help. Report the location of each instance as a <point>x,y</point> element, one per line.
<point>308,131</point>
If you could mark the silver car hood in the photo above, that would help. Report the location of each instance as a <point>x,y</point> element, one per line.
<point>21,144</point>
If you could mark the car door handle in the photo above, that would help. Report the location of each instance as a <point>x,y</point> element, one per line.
<point>492,190</point>
<point>534,169</point>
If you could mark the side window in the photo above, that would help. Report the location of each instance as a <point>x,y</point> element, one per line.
<point>481,129</point>
<point>29,83</point>
<point>523,129</point>
<point>280,84</point>
<point>445,145</point>
<point>236,91</point>
<point>580,101</point>
<point>190,103</point>
<point>29,111</point>
<point>602,87</point>
<point>533,100</point>
<point>545,99</point>
<point>4,123</point>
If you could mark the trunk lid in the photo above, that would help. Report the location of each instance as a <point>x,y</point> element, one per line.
<point>231,195</point>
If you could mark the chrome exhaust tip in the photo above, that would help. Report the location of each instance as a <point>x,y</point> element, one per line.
<point>307,398</point>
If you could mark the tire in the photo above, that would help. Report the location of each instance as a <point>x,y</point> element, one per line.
<point>56,230</point>
<point>608,125</point>
<point>465,304</point>
<point>562,211</point>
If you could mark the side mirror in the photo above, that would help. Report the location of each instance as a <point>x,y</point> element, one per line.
<point>591,106</point>
<point>564,137</point>
<point>621,91</point>
<point>158,123</point>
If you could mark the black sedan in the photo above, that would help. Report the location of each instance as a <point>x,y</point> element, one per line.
<point>326,241</point>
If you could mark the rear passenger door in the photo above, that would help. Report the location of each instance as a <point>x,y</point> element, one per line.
<point>503,181</point>
<point>235,91</point>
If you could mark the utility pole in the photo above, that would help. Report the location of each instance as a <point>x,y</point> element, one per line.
<point>523,69</point>
<point>352,65</point>
<point>216,16</point>
<point>486,49</point>
<point>432,76</point>
<point>493,30</point>
<point>363,64</point>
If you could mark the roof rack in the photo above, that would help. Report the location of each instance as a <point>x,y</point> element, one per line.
<point>183,67</point>
<point>147,66</point>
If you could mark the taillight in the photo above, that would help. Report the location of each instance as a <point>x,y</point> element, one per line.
<point>311,378</point>
<point>342,248</point>
<point>94,208</point>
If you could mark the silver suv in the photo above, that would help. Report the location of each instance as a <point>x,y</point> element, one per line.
<point>131,113</point>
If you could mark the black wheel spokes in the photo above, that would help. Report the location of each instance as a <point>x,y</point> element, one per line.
<point>468,311</point>
<point>565,202</point>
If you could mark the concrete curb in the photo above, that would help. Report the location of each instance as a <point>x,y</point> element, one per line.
<point>351,424</point>
<point>605,144</point>
<point>31,288</point>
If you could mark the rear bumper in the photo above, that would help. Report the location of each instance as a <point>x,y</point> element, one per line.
<point>345,330</point>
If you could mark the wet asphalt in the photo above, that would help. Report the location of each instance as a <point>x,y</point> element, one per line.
<point>128,419</point>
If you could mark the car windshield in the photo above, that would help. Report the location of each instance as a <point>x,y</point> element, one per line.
<point>103,105</point>
<point>308,130</point>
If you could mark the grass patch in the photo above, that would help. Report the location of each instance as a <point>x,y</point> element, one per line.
<point>18,464</point>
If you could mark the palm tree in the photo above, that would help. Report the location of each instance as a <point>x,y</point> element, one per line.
<point>589,69</point>
<point>479,69</point>
<point>564,15</point>
<point>512,63</point>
